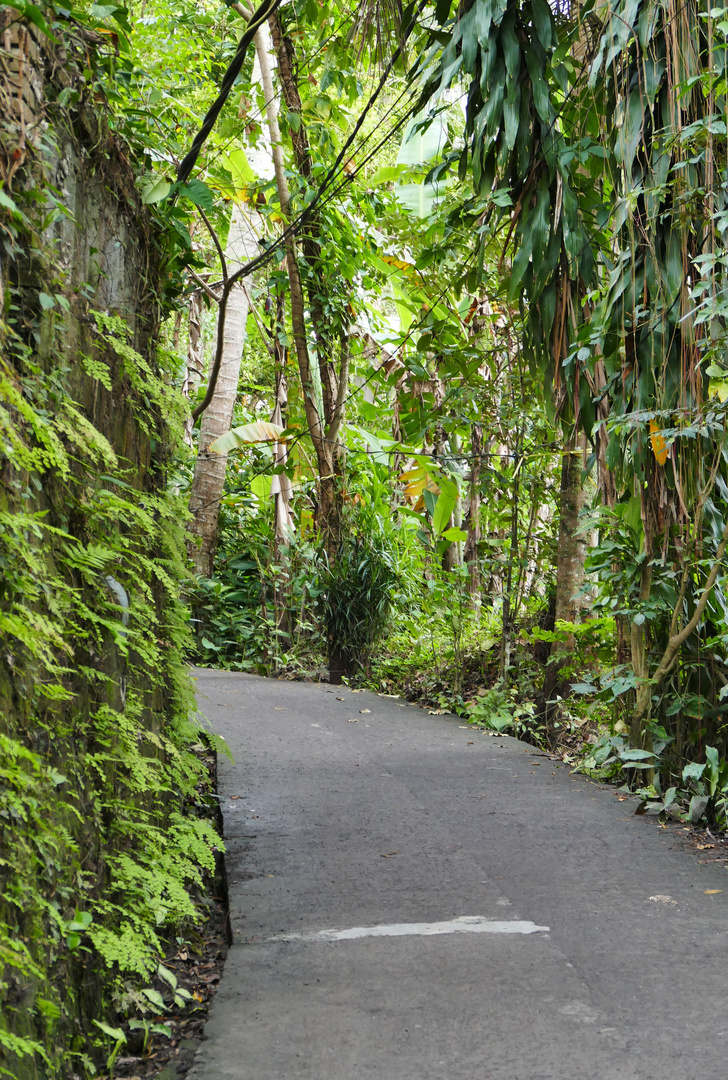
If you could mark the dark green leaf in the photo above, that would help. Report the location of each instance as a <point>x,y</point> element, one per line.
<point>198,193</point>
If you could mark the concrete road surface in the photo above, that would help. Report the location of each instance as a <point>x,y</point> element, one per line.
<point>414,900</point>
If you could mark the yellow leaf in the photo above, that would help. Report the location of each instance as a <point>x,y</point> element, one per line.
<point>392,260</point>
<point>659,446</point>
<point>711,892</point>
<point>416,481</point>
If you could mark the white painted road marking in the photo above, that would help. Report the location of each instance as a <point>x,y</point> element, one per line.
<point>465,924</point>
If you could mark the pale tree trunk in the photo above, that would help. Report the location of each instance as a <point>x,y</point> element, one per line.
<point>209,479</point>
<point>282,489</point>
<point>195,357</point>
<point>284,526</point>
<point>246,228</point>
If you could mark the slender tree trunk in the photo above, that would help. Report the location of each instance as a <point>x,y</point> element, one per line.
<point>246,227</point>
<point>283,520</point>
<point>512,556</point>
<point>519,591</point>
<point>571,547</point>
<point>195,357</point>
<point>282,489</point>
<point>453,555</point>
<point>298,322</point>
<point>316,286</point>
<point>570,558</point>
<point>324,428</point>
<point>470,553</point>
<point>209,478</point>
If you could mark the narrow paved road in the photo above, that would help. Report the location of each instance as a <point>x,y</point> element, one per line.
<point>504,920</point>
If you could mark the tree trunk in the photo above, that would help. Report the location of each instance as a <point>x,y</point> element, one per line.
<point>298,322</point>
<point>571,548</point>
<point>195,357</point>
<point>316,284</point>
<point>209,479</point>
<point>325,429</point>
<point>507,638</point>
<point>282,489</point>
<point>570,558</point>
<point>470,553</point>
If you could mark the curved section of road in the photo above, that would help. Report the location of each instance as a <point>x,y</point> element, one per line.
<point>414,900</point>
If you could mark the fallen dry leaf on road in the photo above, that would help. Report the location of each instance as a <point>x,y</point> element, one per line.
<point>353,720</point>
<point>340,699</point>
<point>236,796</point>
<point>365,710</point>
<point>703,847</point>
<point>711,892</point>
<point>661,899</point>
<point>389,855</point>
<point>279,708</point>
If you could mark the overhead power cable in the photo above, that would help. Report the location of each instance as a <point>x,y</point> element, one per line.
<point>260,15</point>
<point>335,169</point>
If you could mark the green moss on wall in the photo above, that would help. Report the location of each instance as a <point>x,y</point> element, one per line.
<point>104,838</point>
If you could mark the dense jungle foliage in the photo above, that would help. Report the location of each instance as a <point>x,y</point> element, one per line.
<point>435,377</point>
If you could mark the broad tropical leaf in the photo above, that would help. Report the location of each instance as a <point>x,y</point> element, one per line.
<point>444,506</point>
<point>261,431</point>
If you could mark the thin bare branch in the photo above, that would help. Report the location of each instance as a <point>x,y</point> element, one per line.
<point>203,285</point>
<point>216,242</point>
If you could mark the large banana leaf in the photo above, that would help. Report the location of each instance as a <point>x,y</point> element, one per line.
<point>262,431</point>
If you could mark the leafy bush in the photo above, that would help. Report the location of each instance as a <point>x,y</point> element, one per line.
<point>499,711</point>
<point>708,786</point>
<point>356,597</point>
